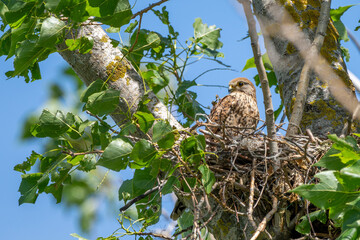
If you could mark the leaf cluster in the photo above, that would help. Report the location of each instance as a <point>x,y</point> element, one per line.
<point>35,27</point>
<point>337,190</point>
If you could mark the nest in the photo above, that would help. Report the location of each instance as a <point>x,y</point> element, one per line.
<point>249,188</point>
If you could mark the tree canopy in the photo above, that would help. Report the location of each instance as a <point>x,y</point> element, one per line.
<point>137,109</point>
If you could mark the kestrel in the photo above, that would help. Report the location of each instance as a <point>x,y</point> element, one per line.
<point>237,111</point>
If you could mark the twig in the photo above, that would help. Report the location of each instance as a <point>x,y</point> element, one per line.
<point>148,8</point>
<point>71,153</point>
<point>100,120</point>
<point>269,109</point>
<point>266,219</point>
<point>303,83</point>
<point>138,198</point>
<point>151,234</point>
<point>137,35</point>
<point>266,175</point>
<point>251,196</point>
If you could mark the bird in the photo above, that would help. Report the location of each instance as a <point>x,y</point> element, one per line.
<point>237,112</point>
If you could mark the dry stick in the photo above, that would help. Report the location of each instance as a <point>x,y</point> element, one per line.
<point>303,83</point>
<point>251,196</point>
<point>266,219</point>
<point>269,109</point>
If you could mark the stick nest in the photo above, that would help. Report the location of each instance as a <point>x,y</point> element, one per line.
<point>248,187</point>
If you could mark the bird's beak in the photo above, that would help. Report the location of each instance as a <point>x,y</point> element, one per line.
<point>230,89</point>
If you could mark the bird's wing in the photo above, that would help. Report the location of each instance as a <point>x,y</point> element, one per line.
<point>220,112</point>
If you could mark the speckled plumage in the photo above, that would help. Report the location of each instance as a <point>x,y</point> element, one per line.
<point>238,109</point>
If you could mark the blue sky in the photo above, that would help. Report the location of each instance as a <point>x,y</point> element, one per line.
<point>45,219</point>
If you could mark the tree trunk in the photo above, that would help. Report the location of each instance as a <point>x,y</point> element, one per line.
<point>322,113</point>
<point>107,63</point>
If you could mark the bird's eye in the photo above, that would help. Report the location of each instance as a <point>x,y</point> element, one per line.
<point>241,84</point>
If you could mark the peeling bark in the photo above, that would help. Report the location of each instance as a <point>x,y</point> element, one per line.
<point>107,63</point>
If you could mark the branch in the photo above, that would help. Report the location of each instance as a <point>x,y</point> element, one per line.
<point>303,83</point>
<point>266,219</point>
<point>269,109</point>
<point>148,8</point>
<point>151,234</point>
<point>138,198</point>
<point>108,64</point>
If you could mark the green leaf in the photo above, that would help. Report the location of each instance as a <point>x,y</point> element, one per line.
<point>189,106</point>
<point>131,27</point>
<point>94,87</point>
<point>126,190</point>
<point>250,63</point>
<point>163,135</point>
<point>183,86</point>
<point>154,80</point>
<point>19,34</point>
<point>26,55</point>
<point>83,44</point>
<point>88,163</point>
<point>208,36</point>
<point>5,43</point>
<point>30,185</point>
<point>208,177</point>
<point>340,27</point>
<point>142,182</point>
<point>3,10</point>
<point>114,13</point>
<point>145,120</point>
<point>75,235</point>
<point>350,176</point>
<point>142,154</point>
<point>192,149</point>
<point>304,226</point>
<point>331,160</point>
<point>103,102</point>
<point>18,13</point>
<point>51,32</point>
<point>185,221</point>
<point>116,155</point>
<point>278,111</point>
<point>168,187</point>
<point>51,4</point>
<point>30,161</point>
<point>56,191</point>
<point>51,124</point>
<point>329,193</point>
<point>345,53</point>
<point>337,13</point>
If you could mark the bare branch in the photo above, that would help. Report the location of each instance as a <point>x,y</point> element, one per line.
<point>266,219</point>
<point>269,109</point>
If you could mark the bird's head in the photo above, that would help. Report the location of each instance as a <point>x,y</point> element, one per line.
<point>242,85</point>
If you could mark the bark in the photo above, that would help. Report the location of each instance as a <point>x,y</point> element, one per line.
<point>322,113</point>
<point>107,63</point>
